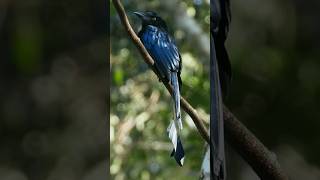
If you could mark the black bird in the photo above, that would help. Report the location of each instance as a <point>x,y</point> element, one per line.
<point>162,48</point>
<point>220,79</point>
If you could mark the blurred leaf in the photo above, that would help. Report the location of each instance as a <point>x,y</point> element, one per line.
<point>118,76</point>
<point>27,45</point>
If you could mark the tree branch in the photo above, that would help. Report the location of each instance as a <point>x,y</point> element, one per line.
<point>263,162</point>
<point>148,59</point>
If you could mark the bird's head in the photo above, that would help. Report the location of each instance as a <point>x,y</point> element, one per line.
<point>151,18</point>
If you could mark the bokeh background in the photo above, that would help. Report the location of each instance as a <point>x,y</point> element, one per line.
<point>53,90</point>
<point>141,107</point>
<point>274,51</point>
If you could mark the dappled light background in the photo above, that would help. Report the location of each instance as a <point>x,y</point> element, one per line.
<point>274,51</point>
<point>141,107</point>
<point>53,90</point>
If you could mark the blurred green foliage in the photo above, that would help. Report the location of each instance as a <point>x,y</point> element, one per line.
<point>273,47</point>
<point>141,107</point>
<point>53,90</point>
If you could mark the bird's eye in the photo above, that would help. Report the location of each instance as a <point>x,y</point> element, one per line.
<point>154,18</point>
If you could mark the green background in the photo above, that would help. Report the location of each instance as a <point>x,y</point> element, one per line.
<point>274,54</point>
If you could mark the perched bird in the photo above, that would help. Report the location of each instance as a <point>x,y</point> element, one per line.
<point>220,78</point>
<point>162,48</point>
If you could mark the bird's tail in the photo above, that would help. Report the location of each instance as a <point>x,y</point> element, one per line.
<point>176,99</point>
<point>217,157</point>
<point>176,125</point>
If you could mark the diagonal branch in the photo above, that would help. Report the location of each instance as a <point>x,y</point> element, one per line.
<point>148,59</point>
<point>263,161</point>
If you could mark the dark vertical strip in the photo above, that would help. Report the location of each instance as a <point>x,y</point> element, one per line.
<point>217,150</point>
<point>108,84</point>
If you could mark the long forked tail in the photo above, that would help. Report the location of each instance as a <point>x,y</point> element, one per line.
<point>176,125</point>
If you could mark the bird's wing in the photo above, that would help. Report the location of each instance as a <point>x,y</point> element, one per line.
<point>163,50</point>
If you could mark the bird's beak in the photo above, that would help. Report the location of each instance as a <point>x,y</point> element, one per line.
<point>139,14</point>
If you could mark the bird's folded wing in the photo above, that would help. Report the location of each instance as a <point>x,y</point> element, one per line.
<point>162,49</point>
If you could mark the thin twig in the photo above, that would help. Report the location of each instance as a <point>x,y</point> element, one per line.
<point>148,59</point>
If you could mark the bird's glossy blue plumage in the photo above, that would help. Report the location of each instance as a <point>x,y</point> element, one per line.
<point>164,52</point>
<point>162,49</point>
